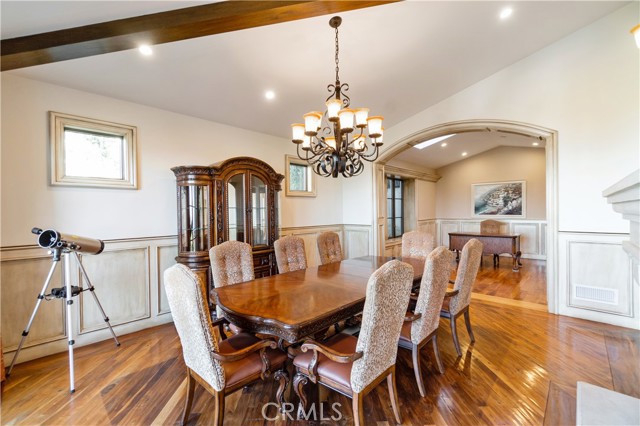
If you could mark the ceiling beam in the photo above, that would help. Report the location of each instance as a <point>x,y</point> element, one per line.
<point>163,27</point>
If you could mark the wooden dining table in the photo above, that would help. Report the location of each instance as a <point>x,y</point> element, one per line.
<point>298,304</point>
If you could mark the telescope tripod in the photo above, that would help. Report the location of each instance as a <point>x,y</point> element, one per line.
<point>68,292</point>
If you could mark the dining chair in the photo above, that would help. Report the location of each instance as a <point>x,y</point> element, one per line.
<point>417,244</point>
<point>456,302</point>
<point>219,366</point>
<point>490,226</point>
<point>290,254</point>
<point>231,263</point>
<point>353,366</point>
<point>421,326</point>
<point>329,248</point>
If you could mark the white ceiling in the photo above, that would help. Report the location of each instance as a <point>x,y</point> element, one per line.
<point>473,143</point>
<point>398,59</point>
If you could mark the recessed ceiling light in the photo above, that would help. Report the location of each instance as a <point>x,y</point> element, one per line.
<point>443,144</point>
<point>505,13</point>
<point>535,144</point>
<point>464,154</point>
<point>270,94</point>
<point>433,141</point>
<point>146,50</point>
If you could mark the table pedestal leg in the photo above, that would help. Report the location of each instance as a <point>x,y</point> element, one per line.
<point>516,261</point>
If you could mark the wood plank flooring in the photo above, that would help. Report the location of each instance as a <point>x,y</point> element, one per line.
<point>522,370</point>
<point>529,284</point>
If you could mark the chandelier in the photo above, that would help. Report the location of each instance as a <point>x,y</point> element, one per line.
<point>335,143</point>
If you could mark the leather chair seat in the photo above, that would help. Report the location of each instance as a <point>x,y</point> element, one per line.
<point>238,370</point>
<point>445,304</point>
<point>329,371</point>
<point>405,331</point>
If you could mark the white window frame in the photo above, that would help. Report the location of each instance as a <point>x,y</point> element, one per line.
<point>59,122</point>
<point>311,190</point>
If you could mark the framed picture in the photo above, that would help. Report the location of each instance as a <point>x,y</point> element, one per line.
<point>499,199</point>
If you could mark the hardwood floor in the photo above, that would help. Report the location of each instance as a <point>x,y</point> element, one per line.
<point>529,284</point>
<point>522,369</point>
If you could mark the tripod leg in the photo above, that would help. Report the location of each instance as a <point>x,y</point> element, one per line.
<point>91,289</point>
<point>33,314</point>
<point>69,301</point>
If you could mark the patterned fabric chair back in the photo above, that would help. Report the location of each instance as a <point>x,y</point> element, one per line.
<point>231,263</point>
<point>329,248</point>
<point>490,226</point>
<point>433,286</point>
<point>387,297</point>
<point>192,321</point>
<point>290,254</point>
<point>417,244</point>
<point>467,270</point>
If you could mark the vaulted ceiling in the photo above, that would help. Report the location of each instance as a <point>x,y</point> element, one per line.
<point>398,58</point>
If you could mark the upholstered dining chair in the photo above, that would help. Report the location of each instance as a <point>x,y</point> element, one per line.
<point>329,248</point>
<point>231,263</point>
<point>290,254</point>
<point>456,302</point>
<point>417,244</point>
<point>421,326</point>
<point>354,366</point>
<point>219,366</point>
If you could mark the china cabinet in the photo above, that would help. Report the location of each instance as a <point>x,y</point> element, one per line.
<point>236,199</point>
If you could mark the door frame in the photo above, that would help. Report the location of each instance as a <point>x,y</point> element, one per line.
<point>550,138</point>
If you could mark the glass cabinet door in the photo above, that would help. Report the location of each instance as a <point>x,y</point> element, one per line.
<point>194,215</point>
<point>259,211</point>
<point>236,208</point>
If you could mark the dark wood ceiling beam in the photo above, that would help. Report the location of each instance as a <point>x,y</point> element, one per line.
<point>163,27</point>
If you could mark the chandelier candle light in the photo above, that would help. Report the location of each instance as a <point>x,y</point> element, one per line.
<point>330,148</point>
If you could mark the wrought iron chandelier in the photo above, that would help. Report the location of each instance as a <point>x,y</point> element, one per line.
<point>326,142</point>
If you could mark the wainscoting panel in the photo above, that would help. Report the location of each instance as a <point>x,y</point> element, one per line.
<point>532,233</point>
<point>22,281</point>
<point>595,279</point>
<point>356,240</point>
<point>166,256</point>
<point>122,289</point>
<point>126,277</point>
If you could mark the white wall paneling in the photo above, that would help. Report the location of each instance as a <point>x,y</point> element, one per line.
<point>127,281</point>
<point>357,240</point>
<point>595,279</point>
<point>166,255</point>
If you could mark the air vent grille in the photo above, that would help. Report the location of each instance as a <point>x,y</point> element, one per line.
<point>597,294</point>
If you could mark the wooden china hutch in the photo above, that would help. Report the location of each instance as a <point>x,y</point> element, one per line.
<point>235,199</point>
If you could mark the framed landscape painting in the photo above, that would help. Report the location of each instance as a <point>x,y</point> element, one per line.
<point>499,199</point>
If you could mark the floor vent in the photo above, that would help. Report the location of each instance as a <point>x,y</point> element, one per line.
<point>597,294</point>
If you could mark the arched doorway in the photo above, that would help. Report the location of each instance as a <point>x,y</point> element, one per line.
<point>549,137</point>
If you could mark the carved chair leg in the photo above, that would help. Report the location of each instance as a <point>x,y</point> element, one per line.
<point>282,376</point>
<point>358,412</point>
<point>454,334</point>
<point>415,352</point>
<point>218,414</point>
<point>436,352</point>
<point>467,321</point>
<point>393,395</point>
<point>191,384</point>
<point>299,381</point>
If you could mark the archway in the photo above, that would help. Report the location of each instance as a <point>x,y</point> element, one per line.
<point>549,136</point>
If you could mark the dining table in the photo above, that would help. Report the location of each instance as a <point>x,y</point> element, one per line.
<point>295,305</point>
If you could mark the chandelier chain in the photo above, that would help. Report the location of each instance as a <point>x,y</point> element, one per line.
<point>337,60</point>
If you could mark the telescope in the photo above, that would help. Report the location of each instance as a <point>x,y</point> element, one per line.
<point>53,239</point>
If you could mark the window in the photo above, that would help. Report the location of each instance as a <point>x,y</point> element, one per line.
<point>87,152</point>
<point>395,212</point>
<point>300,179</point>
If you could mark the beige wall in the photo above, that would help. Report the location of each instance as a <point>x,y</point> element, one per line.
<point>453,190</point>
<point>165,139</point>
